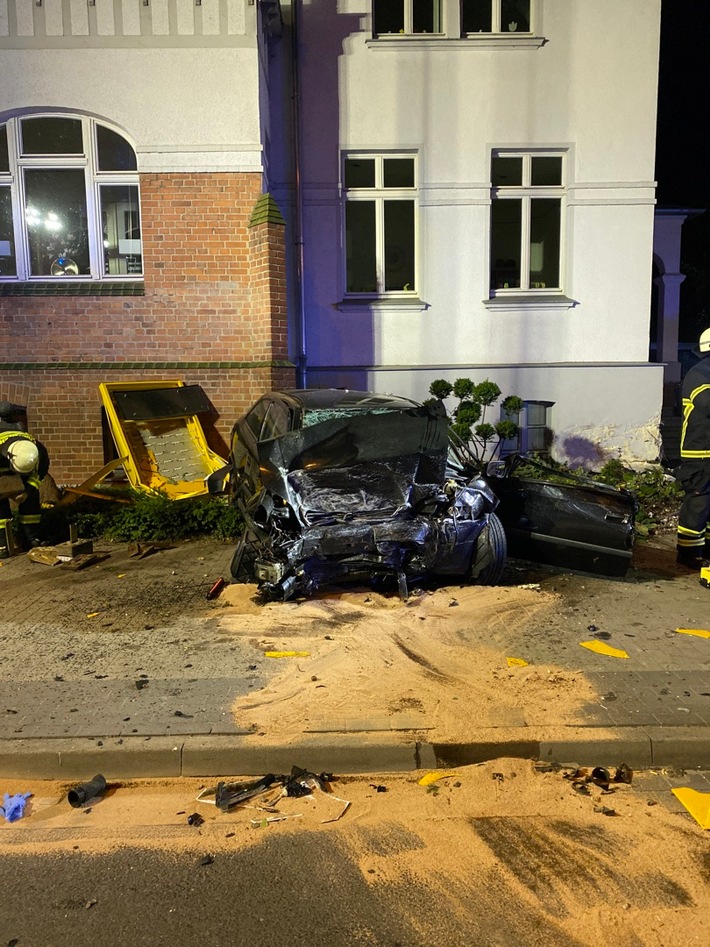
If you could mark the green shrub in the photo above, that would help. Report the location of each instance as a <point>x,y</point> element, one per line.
<point>147,517</point>
<point>484,440</point>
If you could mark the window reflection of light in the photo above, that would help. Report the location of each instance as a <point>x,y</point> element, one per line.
<point>52,221</point>
<point>32,216</point>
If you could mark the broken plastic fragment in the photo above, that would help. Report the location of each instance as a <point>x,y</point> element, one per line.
<point>697,804</point>
<point>13,807</point>
<point>600,648</point>
<point>287,654</point>
<point>435,776</point>
<point>517,662</point>
<point>93,614</point>
<point>698,632</point>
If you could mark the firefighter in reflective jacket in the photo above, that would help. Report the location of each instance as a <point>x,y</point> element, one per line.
<point>694,471</point>
<point>21,455</point>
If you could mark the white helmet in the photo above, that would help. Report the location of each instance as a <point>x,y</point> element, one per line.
<point>23,455</point>
<point>704,342</point>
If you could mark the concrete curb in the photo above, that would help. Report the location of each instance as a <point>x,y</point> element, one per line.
<point>137,757</point>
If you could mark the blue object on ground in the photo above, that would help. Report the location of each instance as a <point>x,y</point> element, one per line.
<point>13,807</point>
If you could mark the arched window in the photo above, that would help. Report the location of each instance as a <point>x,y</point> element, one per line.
<point>69,200</point>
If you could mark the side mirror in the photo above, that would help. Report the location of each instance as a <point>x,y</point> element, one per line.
<point>496,468</point>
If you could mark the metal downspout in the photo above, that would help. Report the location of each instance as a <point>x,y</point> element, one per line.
<point>300,319</point>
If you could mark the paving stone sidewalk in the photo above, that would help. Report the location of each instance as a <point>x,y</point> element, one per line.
<point>132,648</point>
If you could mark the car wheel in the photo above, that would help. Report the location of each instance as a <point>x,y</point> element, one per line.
<point>245,555</point>
<point>490,554</point>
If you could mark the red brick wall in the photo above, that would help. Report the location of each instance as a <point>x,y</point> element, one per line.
<point>215,292</point>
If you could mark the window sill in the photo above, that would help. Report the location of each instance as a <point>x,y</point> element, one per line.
<point>547,301</point>
<point>473,41</point>
<point>78,288</point>
<point>382,304</point>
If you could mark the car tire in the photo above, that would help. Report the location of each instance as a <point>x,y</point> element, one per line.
<point>491,551</point>
<point>245,555</point>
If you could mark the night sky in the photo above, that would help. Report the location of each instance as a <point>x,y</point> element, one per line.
<point>682,155</point>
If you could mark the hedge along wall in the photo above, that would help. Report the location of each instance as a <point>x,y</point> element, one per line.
<point>213,313</point>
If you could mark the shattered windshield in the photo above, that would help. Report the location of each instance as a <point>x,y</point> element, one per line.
<point>318,415</point>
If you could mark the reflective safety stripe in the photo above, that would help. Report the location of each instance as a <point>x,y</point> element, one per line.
<point>686,543</point>
<point>29,518</point>
<point>33,481</point>
<point>3,523</point>
<point>8,435</point>
<point>688,408</point>
<point>691,532</point>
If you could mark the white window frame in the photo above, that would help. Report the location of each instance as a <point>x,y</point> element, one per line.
<point>379,194</point>
<point>496,26</point>
<point>93,179</point>
<point>525,192</point>
<point>409,19</point>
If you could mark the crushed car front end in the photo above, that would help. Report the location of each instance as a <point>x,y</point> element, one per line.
<point>357,496</point>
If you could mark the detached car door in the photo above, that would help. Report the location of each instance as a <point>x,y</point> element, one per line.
<point>575,526</point>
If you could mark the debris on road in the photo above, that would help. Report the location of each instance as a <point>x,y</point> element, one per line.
<point>430,778</point>
<point>299,783</point>
<point>516,662</point>
<point>599,776</point>
<point>287,654</point>
<point>600,648</point>
<point>195,819</point>
<point>697,804</point>
<point>85,792</point>
<point>13,807</point>
<point>262,823</point>
<point>697,632</point>
<point>216,589</point>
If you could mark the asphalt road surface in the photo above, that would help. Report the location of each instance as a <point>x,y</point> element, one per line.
<point>495,855</point>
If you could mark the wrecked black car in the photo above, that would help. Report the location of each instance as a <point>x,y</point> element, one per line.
<point>340,485</point>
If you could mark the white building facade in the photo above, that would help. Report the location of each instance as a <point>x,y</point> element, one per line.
<point>477,200</point>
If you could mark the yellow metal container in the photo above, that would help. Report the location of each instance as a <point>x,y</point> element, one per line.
<point>158,435</point>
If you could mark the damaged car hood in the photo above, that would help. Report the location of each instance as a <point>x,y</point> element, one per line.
<point>357,464</point>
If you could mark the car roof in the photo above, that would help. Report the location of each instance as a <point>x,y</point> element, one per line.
<point>319,398</point>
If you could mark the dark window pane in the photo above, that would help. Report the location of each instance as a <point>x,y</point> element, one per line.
<point>8,266</point>
<point>476,16</point>
<point>360,172</point>
<point>389,16</point>
<point>4,156</point>
<point>51,136</point>
<point>399,245</point>
<point>546,170</point>
<point>538,439</point>
<point>515,16</point>
<point>255,418</point>
<point>276,421</point>
<point>506,218</point>
<point>120,219</point>
<point>544,243</point>
<point>399,172</point>
<point>360,260</point>
<point>55,213</point>
<point>425,16</point>
<point>115,154</point>
<point>506,172</point>
<point>536,413</point>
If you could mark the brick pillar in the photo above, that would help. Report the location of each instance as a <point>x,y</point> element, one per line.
<point>267,251</point>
